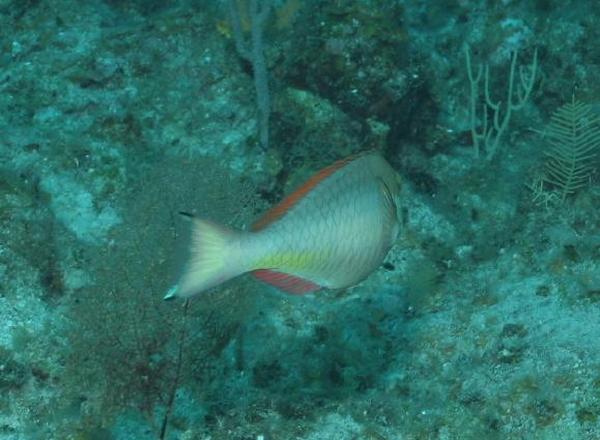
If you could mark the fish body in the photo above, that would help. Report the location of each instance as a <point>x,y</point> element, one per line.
<point>330,233</point>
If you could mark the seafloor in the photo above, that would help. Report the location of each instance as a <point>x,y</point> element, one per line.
<point>482,323</point>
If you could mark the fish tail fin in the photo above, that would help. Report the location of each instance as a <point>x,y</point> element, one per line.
<point>213,259</point>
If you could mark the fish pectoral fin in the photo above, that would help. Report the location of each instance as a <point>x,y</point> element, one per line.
<point>391,220</point>
<point>286,282</point>
<point>388,200</point>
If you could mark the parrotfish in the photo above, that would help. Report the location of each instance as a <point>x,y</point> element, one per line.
<point>332,232</point>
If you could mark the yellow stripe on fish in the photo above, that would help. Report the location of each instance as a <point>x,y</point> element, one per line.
<point>332,232</point>
<point>292,260</point>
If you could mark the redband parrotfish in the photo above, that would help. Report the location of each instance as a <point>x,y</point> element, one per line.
<point>332,232</point>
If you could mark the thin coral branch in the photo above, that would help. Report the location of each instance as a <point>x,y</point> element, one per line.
<point>178,364</point>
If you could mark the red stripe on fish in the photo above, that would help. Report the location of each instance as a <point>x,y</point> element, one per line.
<point>280,209</point>
<point>286,282</point>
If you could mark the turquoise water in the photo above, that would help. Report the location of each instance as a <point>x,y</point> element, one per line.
<point>481,323</point>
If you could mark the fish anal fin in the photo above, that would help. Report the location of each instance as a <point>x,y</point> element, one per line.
<point>286,282</point>
<point>284,206</point>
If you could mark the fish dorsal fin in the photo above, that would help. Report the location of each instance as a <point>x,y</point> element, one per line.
<point>279,210</point>
<point>286,282</point>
